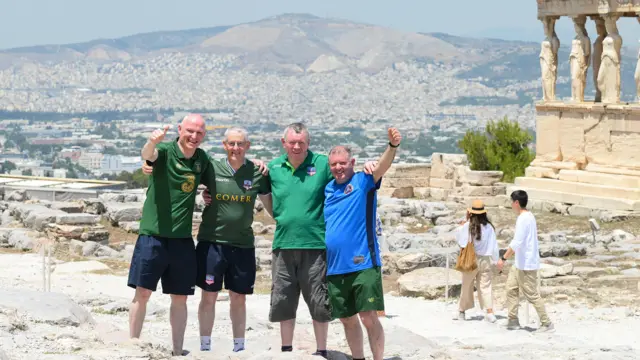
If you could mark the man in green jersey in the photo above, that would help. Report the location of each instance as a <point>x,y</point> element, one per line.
<point>165,249</point>
<point>299,264</point>
<point>225,252</point>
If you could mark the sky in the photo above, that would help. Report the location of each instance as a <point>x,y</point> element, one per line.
<point>69,21</point>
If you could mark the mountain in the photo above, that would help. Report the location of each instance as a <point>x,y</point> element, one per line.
<point>298,41</point>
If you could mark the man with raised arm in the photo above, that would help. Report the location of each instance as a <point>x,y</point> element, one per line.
<point>353,252</point>
<point>299,263</point>
<point>225,252</point>
<point>165,249</point>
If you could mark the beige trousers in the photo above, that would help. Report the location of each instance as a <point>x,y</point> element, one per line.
<point>481,278</point>
<point>527,281</point>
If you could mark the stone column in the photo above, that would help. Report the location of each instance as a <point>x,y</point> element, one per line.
<point>579,59</point>
<point>549,58</point>
<point>597,53</point>
<point>637,74</point>
<point>609,72</point>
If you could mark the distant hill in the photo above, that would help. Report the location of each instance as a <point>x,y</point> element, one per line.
<point>299,43</point>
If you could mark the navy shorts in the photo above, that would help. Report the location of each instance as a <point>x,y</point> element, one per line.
<point>171,260</point>
<point>222,263</point>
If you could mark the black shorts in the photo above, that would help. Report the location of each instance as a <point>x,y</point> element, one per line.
<point>172,260</point>
<point>218,263</point>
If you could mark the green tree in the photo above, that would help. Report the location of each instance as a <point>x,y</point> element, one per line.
<point>135,180</point>
<point>7,166</point>
<point>504,146</point>
<point>27,172</point>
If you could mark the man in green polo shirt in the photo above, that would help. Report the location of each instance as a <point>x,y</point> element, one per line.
<point>299,265</point>
<point>165,249</point>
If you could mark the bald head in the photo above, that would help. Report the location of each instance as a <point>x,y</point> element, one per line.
<point>191,130</point>
<point>195,119</point>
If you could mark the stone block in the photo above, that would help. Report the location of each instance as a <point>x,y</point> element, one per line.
<point>595,202</point>
<point>77,219</point>
<point>412,170</point>
<point>440,194</point>
<point>548,136</point>
<point>421,193</point>
<point>398,182</point>
<point>571,137</point>
<point>589,177</point>
<point>68,207</point>
<point>429,283</point>
<point>403,193</point>
<point>468,190</point>
<point>442,183</point>
<point>617,281</point>
<point>480,178</point>
<point>579,188</point>
<point>443,165</point>
<point>556,165</point>
<point>541,172</point>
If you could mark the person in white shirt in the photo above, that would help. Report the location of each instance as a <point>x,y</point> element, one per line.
<point>478,229</point>
<point>523,275</point>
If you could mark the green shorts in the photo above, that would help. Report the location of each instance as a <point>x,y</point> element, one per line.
<point>356,292</point>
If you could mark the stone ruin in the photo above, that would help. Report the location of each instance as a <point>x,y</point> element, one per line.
<point>587,150</point>
<point>448,178</point>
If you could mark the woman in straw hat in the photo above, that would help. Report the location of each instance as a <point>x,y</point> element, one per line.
<point>479,228</point>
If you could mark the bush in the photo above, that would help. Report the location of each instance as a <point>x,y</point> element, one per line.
<point>504,146</point>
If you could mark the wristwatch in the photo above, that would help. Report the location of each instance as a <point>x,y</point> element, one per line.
<point>393,146</point>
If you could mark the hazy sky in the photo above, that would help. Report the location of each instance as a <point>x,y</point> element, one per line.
<point>37,22</point>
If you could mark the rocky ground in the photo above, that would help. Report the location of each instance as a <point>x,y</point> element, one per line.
<point>591,289</point>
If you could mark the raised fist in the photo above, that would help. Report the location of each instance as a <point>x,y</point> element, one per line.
<point>394,136</point>
<point>158,135</point>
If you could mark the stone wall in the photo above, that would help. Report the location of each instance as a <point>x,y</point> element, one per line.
<point>447,178</point>
<point>587,159</point>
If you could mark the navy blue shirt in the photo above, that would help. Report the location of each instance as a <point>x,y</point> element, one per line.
<point>350,217</point>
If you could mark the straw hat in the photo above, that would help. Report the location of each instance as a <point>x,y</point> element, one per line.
<point>477,207</point>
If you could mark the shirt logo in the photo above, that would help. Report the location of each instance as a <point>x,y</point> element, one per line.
<point>197,165</point>
<point>247,184</point>
<point>348,189</point>
<point>190,184</point>
<point>358,259</point>
<point>209,279</point>
<point>311,170</point>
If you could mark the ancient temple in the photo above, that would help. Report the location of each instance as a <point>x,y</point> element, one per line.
<point>587,152</point>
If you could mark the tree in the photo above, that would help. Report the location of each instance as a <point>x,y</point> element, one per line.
<point>7,166</point>
<point>27,172</point>
<point>504,146</point>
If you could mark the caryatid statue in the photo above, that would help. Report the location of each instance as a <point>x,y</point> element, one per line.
<point>579,59</point>
<point>549,58</point>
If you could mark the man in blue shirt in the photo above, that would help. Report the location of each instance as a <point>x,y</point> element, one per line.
<point>353,254</point>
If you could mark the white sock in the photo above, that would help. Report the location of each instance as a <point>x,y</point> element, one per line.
<point>238,344</point>
<point>205,343</point>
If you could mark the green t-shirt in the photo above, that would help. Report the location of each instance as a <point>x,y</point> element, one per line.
<point>168,208</point>
<point>298,201</point>
<point>229,217</point>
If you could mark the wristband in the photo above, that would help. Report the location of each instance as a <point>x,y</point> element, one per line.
<point>393,146</point>
<point>502,258</point>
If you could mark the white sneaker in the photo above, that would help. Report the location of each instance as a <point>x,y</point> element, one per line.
<point>491,317</point>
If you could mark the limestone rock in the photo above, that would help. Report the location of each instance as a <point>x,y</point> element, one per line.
<point>77,219</point>
<point>117,212</point>
<point>45,307</point>
<point>430,283</point>
<point>21,239</point>
<point>17,195</point>
<point>68,207</point>
<point>93,206</point>
<point>130,226</point>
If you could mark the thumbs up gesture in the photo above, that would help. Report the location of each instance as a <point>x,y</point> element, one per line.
<point>158,135</point>
<point>394,136</point>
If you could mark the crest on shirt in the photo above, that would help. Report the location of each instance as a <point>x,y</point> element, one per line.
<point>311,170</point>
<point>209,279</point>
<point>198,168</point>
<point>348,189</point>
<point>247,184</point>
<point>358,259</point>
